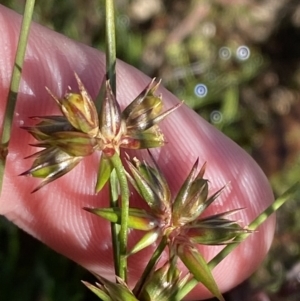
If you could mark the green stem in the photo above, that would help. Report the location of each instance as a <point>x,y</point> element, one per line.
<point>110,43</point>
<point>117,164</point>
<point>289,194</point>
<point>14,86</point>
<point>119,247</point>
<point>115,228</point>
<point>150,266</point>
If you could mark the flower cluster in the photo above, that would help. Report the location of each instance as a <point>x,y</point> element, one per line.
<point>162,284</point>
<point>178,219</point>
<point>81,131</point>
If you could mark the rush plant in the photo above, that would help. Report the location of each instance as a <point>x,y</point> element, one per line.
<point>175,223</point>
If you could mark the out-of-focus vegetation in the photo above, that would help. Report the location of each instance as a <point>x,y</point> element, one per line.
<point>237,63</point>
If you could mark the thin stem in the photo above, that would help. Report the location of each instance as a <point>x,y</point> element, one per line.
<point>14,86</point>
<point>115,228</point>
<point>151,264</point>
<point>289,194</point>
<point>123,235</point>
<point>110,44</point>
<point>119,247</point>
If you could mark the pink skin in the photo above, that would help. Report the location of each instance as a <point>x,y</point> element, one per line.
<point>54,215</point>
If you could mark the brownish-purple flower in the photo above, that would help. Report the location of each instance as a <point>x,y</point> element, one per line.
<point>178,219</point>
<point>81,131</point>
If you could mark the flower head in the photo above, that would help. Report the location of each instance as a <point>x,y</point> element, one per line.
<point>80,131</point>
<point>111,291</point>
<point>164,283</point>
<point>161,284</point>
<point>137,126</point>
<point>177,218</point>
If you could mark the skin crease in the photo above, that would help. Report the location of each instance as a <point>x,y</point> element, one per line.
<point>54,215</point>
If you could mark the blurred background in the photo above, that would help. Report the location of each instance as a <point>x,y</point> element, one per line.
<point>236,63</point>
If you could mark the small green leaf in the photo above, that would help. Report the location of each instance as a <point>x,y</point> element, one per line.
<point>148,239</point>
<point>105,169</point>
<point>138,219</point>
<point>197,266</point>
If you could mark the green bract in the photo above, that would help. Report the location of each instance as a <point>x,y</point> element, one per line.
<point>138,219</point>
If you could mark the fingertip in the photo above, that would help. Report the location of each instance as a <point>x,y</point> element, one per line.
<point>51,61</point>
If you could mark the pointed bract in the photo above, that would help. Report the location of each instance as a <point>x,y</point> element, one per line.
<point>148,239</point>
<point>197,266</point>
<point>104,171</point>
<point>138,219</point>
